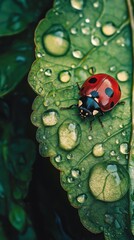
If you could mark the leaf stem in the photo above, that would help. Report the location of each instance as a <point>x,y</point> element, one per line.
<point>131,156</point>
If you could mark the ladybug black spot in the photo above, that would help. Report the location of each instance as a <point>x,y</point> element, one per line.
<point>92,80</point>
<point>94,94</point>
<point>109,92</point>
<point>112,104</point>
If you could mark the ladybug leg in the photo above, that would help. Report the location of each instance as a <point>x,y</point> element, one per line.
<point>91,121</point>
<point>122,102</point>
<point>78,86</point>
<point>99,118</point>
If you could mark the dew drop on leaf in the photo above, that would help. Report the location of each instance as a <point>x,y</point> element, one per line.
<point>56,41</point>
<point>85,30</point>
<point>77,4</point>
<point>113,153</point>
<point>69,135</point>
<point>81,198</point>
<point>77,54</point>
<point>64,76</point>
<point>75,173</point>
<point>96,4</point>
<point>58,158</point>
<point>90,138</point>
<point>108,29</point>
<point>74,30</point>
<point>98,24</point>
<point>113,68</point>
<point>95,41</point>
<point>124,148</point>
<point>108,181</point>
<point>48,72</point>
<point>50,118</point>
<point>122,76</point>
<point>98,150</point>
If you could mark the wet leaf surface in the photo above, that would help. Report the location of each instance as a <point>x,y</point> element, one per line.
<point>75,38</point>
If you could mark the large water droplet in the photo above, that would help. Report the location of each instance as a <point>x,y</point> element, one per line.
<point>75,173</point>
<point>69,135</point>
<point>77,54</point>
<point>95,41</point>
<point>50,117</point>
<point>124,148</point>
<point>81,198</point>
<point>77,4</point>
<point>64,76</point>
<point>122,76</point>
<point>108,29</point>
<point>56,41</point>
<point>98,150</point>
<point>108,181</point>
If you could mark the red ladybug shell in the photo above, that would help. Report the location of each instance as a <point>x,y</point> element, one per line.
<point>104,89</point>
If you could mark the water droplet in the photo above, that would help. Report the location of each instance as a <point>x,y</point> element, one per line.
<point>124,148</point>
<point>98,24</point>
<point>121,125</point>
<point>108,133</point>
<point>123,133</point>
<point>64,76</point>
<point>70,180</point>
<point>95,41</point>
<point>121,41</point>
<point>98,150</point>
<point>105,43</point>
<point>50,117</point>
<point>57,103</point>
<point>82,198</point>
<point>40,90</point>
<point>87,20</point>
<point>113,68</point>
<point>113,153</point>
<point>77,4</point>
<point>69,156</point>
<point>80,15</point>
<point>96,4</point>
<point>39,55</point>
<point>73,66</point>
<point>108,29</point>
<point>90,138</point>
<point>122,76</point>
<point>92,70</point>
<point>74,30</point>
<point>75,173</point>
<point>117,141</point>
<point>69,135</point>
<point>58,158</point>
<point>85,30</point>
<point>48,72</point>
<point>108,181</point>
<point>56,41</point>
<point>77,54</point>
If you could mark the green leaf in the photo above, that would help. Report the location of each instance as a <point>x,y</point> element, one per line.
<point>76,38</point>
<point>15,61</point>
<point>17,14</point>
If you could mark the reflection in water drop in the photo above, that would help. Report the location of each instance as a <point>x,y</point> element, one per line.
<point>50,117</point>
<point>70,180</point>
<point>108,181</point>
<point>98,24</point>
<point>77,4</point>
<point>90,138</point>
<point>121,41</point>
<point>85,30</point>
<point>64,76</point>
<point>98,150</point>
<point>92,70</point>
<point>95,41</point>
<point>48,72</point>
<point>56,40</point>
<point>113,153</point>
<point>108,29</point>
<point>69,135</point>
<point>82,198</point>
<point>124,148</point>
<point>122,76</point>
<point>77,54</point>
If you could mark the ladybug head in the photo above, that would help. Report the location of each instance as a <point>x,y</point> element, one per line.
<point>84,111</point>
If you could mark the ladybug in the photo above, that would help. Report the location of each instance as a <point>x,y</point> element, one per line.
<point>100,93</point>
